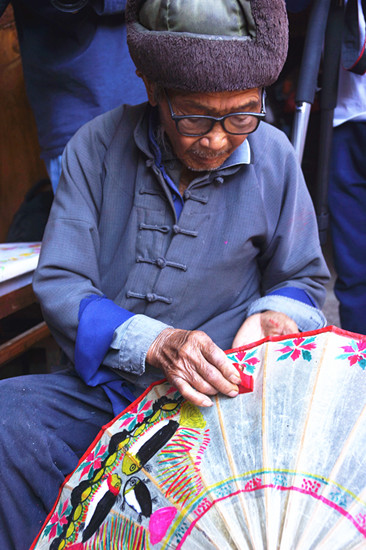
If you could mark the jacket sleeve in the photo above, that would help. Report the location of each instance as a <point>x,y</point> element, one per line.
<point>291,261</point>
<point>89,327</point>
<point>68,270</point>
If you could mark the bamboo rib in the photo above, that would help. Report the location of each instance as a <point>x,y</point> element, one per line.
<point>264,428</point>
<point>349,443</point>
<point>234,474</point>
<point>290,496</point>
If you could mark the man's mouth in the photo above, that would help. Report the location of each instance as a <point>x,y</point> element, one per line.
<point>205,155</point>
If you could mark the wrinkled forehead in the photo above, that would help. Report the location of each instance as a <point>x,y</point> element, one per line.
<point>217,102</point>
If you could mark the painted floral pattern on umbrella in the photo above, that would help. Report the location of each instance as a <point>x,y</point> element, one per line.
<point>245,360</point>
<point>355,353</point>
<point>58,519</point>
<point>297,347</point>
<point>93,461</point>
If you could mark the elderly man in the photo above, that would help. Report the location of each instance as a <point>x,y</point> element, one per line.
<point>180,228</point>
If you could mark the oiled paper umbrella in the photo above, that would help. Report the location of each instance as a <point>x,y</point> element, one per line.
<point>281,467</point>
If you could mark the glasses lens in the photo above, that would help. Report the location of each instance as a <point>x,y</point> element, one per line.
<point>194,126</point>
<point>241,124</point>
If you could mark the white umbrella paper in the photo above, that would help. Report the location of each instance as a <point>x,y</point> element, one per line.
<point>282,467</point>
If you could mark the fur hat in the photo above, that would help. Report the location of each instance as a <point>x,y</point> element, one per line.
<point>208,45</point>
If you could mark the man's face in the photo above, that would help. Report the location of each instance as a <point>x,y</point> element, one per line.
<point>211,150</point>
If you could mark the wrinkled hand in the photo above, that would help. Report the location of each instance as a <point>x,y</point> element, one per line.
<point>260,325</point>
<point>194,365</point>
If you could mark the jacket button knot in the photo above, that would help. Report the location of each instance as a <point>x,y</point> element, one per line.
<point>160,262</point>
<point>151,297</point>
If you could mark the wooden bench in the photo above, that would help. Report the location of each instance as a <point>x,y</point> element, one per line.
<point>15,295</point>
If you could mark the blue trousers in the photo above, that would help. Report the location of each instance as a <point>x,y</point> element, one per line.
<point>47,423</point>
<point>347,206</point>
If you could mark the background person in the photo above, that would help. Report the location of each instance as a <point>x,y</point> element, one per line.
<point>76,66</point>
<point>347,194</point>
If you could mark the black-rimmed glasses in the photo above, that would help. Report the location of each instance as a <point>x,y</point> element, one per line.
<point>234,123</point>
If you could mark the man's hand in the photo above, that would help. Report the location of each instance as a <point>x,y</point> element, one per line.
<point>260,325</point>
<point>194,365</point>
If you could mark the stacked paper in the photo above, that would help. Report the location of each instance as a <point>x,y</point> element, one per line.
<point>17,259</point>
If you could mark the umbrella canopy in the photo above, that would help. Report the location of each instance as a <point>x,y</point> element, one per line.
<point>279,467</point>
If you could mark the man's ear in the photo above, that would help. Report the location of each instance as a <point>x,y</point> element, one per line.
<point>150,88</point>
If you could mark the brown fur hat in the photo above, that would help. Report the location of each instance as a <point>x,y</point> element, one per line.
<point>208,45</point>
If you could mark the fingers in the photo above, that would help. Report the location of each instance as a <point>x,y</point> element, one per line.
<point>217,357</point>
<point>261,325</point>
<point>276,323</point>
<point>190,393</point>
<point>194,365</point>
<point>214,377</point>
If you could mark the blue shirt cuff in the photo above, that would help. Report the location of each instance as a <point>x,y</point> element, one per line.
<point>294,293</point>
<point>98,319</point>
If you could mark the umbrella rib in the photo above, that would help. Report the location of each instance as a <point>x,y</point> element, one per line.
<point>180,509</point>
<point>207,491</point>
<point>288,505</point>
<point>264,429</point>
<point>336,469</point>
<point>233,468</point>
<point>217,507</point>
<point>342,519</point>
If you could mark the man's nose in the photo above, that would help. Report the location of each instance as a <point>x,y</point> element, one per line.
<point>216,139</point>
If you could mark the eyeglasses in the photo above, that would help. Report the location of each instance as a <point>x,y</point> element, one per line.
<point>233,123</point>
